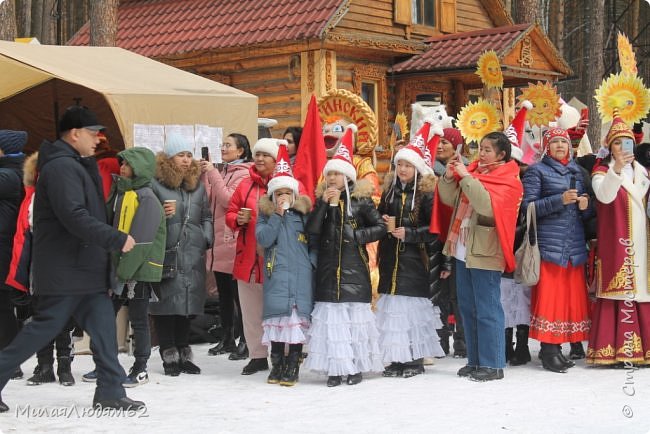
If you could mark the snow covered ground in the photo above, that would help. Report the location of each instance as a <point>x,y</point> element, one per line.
<point>220,400</point>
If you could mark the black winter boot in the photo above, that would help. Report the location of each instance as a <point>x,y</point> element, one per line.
<point>64,371</point>
<point>395,369</point>
<point>241,352</point>
<point>411,369</point>
<point>277,368</point>
<point>510,350</point>
<point>444,336</point>
<point>17,375</point>
<point>225,345</point>
<point>460,349</point>
<point>551,360</point>
<point>42,374</point>
<point>577,351</point>
<point>186,357</point>
<point>171,361</point>
<point>291,370</point>
<point>522,353</point>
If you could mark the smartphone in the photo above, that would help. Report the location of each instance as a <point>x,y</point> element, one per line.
<point>584,113</point>
<point>205,153</point>
<point>572,183</point>
<point>627,145</point>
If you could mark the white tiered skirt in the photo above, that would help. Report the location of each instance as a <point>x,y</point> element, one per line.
<point>407,328</point>
<point>343,339</point>
<point>288,329</point>
<point>515,299</point>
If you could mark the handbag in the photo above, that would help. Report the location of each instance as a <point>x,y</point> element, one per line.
<point>527,256</point>
<point>170,262</point>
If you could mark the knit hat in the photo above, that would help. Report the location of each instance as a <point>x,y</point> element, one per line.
<point>453,136</point>
<point>175,144</point>
<point>12,142</point>
<point>552,133</point>
<point>282,176</point>
<point>515,131</point>
<point>618,129</point>
<point>267,145</point>
<point>342,160</point>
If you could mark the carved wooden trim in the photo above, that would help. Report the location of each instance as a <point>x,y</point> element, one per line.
<point>382,44</point>
<point>526,53</point>
<point>377,74</point>
<point>328,70</point>
<point>408,89</point>
<point>310,71</point>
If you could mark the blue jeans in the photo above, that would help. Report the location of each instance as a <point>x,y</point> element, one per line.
<point>479,302</point>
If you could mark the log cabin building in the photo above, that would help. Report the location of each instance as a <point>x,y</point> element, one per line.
<point>385,51</point>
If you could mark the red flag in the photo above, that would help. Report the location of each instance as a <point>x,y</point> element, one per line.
<point>311,157</point>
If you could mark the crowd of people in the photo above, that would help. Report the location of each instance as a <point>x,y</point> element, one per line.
<point>84,232</point>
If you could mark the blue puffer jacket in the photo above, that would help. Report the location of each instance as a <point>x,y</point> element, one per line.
<point>559,227</point>
<point>288,260</point>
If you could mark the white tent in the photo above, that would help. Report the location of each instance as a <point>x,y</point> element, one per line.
<point>37,83</point>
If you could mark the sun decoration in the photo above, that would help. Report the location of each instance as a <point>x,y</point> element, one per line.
<point>489,69</point>
<point>546,103</point>
<point>477,119</point>
<point>626,56</point>
<point>402,123</point>
<point>625,93</point>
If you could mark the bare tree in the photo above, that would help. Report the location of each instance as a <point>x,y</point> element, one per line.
<point>8,20</point>
<point>593,75</point>
<point>48,22</point>
<point>556,24</point>
<point>103,22</point>
<point>526,11</point>
<point>24,18</point>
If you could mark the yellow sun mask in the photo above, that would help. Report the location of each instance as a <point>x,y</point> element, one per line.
<point>489,69</point>
<point>546,103</point>
<point>627,94</point>
<point>477,119</point>
<point>626,56</point>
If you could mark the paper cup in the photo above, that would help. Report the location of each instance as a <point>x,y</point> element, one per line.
<point>334,200</point>
<point>247,214</point>
<point>391,223</point>
<point>171,202</point>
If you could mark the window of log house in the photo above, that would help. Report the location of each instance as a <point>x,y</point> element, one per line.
<point>423,12</point>
<point>369,94</point>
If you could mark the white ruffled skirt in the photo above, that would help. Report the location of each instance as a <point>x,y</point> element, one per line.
<point>407,328</point>
<point>288,329</point>
<point>515,299</point>
<point>343,339</point>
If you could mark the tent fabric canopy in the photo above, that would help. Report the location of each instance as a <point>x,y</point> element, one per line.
<point>137,90</point>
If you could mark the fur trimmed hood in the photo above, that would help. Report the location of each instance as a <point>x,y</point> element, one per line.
<point>362,188</point>
<point>302,205</point>
<point>29,170</point>
<point>172,177</point>
<point>426,184</point>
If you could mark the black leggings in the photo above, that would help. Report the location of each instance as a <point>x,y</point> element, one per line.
<point>173,331</point>
<point>229,307</point>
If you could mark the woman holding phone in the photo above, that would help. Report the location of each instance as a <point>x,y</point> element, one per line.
<point>620,332</point>
<point>220,185</point>
<point>559,309</point>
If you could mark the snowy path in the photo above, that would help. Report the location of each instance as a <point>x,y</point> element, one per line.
<point>528,400</point>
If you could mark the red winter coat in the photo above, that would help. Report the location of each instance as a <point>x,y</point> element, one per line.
<point>247,195</point>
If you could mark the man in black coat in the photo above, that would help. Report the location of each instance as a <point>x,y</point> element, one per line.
<point>72,242</point>
<point>11,194</point>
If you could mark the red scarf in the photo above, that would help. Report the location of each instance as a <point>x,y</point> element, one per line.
<point>505,191</point>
